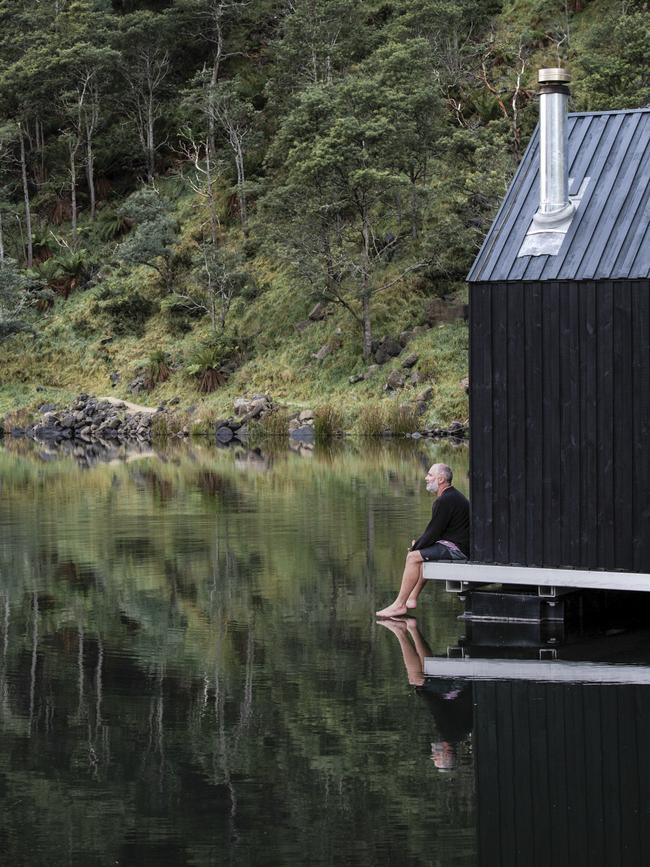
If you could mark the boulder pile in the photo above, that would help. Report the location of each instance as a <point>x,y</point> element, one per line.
<point>90,420</point>
<point>247,409</point>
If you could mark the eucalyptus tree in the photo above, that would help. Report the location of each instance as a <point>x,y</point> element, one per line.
<point>144,40</point>
<point>344,156</point>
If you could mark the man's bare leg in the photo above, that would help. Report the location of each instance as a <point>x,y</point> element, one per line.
<point>412,661</point>
<point>412,601</point>
<point>410,577</point>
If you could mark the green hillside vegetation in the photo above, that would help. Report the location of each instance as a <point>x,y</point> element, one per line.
<point>181,182</point>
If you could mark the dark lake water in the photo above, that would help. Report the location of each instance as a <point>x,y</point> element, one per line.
<point>190,668</point>
<point>191,674</point>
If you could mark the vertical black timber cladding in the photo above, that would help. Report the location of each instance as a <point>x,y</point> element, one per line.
<point>569,424</point>
<point>534,380</point>
<point>501,482</point>
<point>605,471</point>
<point>516,408</point>
<point>551,432</point>
<point>640,487</point>
<point>623,469</point>
<point>560,415</point>
<point>588,427</point>
<point>481,422</point>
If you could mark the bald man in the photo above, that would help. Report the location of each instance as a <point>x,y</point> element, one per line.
<point>445,538</point>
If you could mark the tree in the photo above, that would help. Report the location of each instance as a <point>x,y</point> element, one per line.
<point>14,298</point>
<point>144,42</point>
<point>220,278</point>
<point>153,236</point>
<point>236,118</point>
<point>346,154</point>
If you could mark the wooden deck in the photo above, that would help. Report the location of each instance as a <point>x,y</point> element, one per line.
<point>459,576</point>
<point>547,671</point>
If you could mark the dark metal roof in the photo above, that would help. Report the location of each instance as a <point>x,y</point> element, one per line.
<point>609,236</point>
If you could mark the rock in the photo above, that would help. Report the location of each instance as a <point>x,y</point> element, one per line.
<point>426,394</point>
<point>356,377</point>
<point>137,385</point>
<point>242,433</point>
<point>106,340</point>
<point>303,434</point>
<point>388,348</point>
<point>294,424</point>
<point>395,380</point>
<point>417,436</point>
<point>302,325</point>
<point>241,405</point>
<point>322,353</point>
<point>224,434</point>
<point>114,376</point>
<point>174,401</point>
<point>420,329</point>
<point>405,336</point>
<point>464,384</point>
<point>318,312</point>
<point>417,378</point>
<point>456,429</point>
<point>47,407</point>
<point>306,415</point>
<point>411,360</point>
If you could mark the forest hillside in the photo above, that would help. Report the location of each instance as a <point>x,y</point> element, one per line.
<point>204,199</point>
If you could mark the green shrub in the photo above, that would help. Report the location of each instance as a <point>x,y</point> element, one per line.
<point>328,422</point>
<point>165,425</point>
<point>212,363</point>
<point>371,421</point>
<point>157,369</point>
<point>274,424</point>
<point>127,308</point>
<point>402,418</point>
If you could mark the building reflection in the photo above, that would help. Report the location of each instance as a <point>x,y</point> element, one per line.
<point>559,730</point>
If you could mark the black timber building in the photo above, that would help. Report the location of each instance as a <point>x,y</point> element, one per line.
<point>560,360</point>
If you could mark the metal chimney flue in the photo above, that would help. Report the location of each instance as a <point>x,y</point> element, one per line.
<point>554,202</point>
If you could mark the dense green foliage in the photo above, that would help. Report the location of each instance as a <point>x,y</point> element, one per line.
<point>211,166</point>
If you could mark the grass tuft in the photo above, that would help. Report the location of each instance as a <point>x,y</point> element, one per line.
<point>328,423</point>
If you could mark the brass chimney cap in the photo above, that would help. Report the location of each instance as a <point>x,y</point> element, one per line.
<point>554,75</point>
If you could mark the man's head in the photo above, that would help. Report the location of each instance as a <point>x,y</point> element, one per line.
<point>443,755</point>
<point>439,478</point>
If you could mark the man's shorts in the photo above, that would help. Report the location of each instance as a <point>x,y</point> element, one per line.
<point>440,552</point>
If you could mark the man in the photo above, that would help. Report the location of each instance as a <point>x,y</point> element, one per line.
<point>445,538</point>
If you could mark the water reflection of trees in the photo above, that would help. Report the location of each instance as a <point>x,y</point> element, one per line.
<point>153,630</point>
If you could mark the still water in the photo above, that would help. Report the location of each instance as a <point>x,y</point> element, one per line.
<point>191,674</point>
<point>190,669</point>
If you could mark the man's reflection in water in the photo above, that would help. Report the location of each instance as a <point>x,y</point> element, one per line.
<point>450,702</point>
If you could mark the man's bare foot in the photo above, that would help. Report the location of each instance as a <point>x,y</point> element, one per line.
<point>395,624</point>
<point>394,610</point>
<point>411,603</point>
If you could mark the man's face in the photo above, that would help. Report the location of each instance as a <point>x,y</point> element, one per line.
<point>432,480</point>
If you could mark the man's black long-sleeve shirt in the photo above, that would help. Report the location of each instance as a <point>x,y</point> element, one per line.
<point>449,521</point>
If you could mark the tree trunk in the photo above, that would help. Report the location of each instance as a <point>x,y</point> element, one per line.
<point>73,191</point>
<point>90,173</point>
<point>151,143</point>
<point>367,327</point>
<point>212,205</point>
<point>28,213</point>
<point>2,244</point>
<point>239,162</point>
<point>365,290</point>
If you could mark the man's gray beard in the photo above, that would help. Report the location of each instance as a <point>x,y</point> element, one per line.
<point>432,487</point>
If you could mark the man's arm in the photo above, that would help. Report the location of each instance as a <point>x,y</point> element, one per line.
<point>435,528</point>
